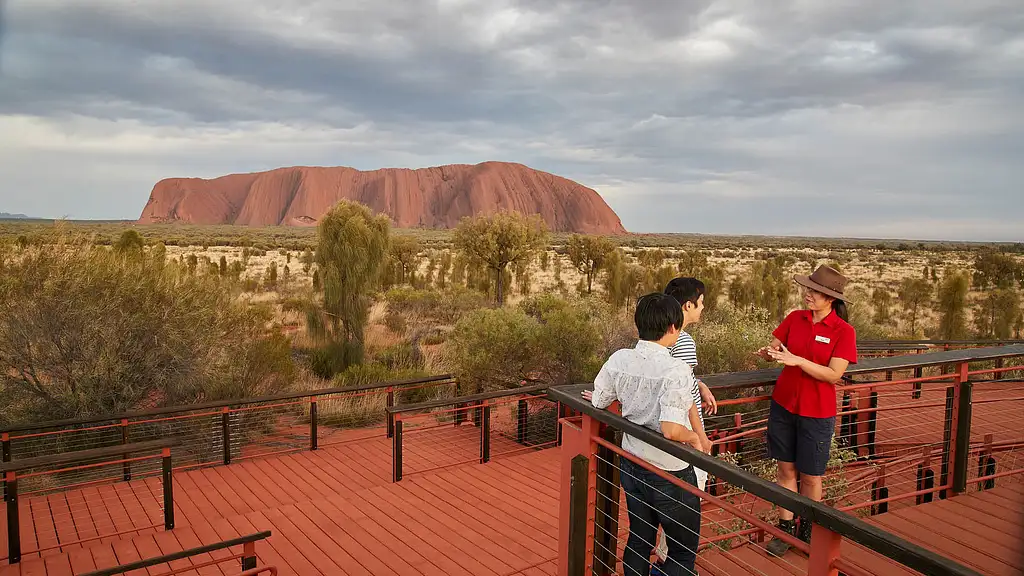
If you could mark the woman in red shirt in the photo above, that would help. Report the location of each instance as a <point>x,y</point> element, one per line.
<point>815,345</point>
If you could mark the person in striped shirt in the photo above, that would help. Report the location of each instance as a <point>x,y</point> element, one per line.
<point>690,292</point>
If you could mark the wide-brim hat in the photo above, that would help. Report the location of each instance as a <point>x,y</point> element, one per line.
<point>826,280</point>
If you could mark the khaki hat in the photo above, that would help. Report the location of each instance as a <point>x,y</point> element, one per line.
<point>825,280</point>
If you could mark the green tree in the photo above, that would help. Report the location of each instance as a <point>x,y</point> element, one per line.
<point>692,263</point>
<point>588,255</point>
<point>545,259</point>
<point>951,304</point>
<point>499,240</point>
<point>404,254</point>
<point>914,294</point>
<point>443,266</point>
<point>623,281</point>
<point>882,299</point>
<point>352,245</point>
<point>995,269</point>
<point>651,259</point>
<point>998,314</point>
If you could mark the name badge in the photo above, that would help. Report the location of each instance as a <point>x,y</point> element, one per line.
<point>822,339</point>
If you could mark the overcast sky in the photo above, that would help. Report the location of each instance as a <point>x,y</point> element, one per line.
<point>823,117</point>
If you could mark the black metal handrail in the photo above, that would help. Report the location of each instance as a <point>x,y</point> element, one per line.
<point>226,403</point>
<point>885,543</point>
<point>86,458</point>
<point>727,380</point>
<point>248,555</point>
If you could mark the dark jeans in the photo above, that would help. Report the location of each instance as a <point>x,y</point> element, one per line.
<point>651,500</point>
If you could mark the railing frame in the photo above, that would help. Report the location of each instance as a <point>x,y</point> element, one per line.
<point>248,557</point>
<point>474,403</point>
<point>830,525</point>
<point>9,471</point>
<point>225,407</point>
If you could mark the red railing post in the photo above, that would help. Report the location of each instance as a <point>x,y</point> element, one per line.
<point>577,440</point>
<point>961,443</point>
<point>248,556</point>
<point>825,546</point>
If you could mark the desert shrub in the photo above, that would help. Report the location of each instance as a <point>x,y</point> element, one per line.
<point>84,331</point>
<point>403,356</point>
<point>423,308</point>
<point>727,339</point>
<point>546,339</point>
<point>395,321</point>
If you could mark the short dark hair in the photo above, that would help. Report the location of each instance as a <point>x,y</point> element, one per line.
<point>655,315</point>
<point>685,290</point>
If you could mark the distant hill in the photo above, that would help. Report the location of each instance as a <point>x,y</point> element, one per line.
<point>424,198</point>
<point>8,216</point>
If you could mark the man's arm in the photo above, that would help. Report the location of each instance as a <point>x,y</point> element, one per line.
<point>698,427</point>
<point>676,404</point>
<point>604,388</point>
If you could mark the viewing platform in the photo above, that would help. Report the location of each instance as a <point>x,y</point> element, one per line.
<point>419,478</point>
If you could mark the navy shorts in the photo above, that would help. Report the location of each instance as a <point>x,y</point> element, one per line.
<point>803,440</point>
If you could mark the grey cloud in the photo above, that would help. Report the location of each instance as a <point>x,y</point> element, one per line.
<point>748,112</point>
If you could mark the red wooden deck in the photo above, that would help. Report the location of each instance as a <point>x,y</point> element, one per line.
<point>336,512</point>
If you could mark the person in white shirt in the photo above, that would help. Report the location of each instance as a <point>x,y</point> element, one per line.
<point>654,390</point>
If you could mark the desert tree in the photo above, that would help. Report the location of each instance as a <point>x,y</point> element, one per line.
<point>351,250</point>
<point>951,304</point>
<point>443,266</point>
<point>588,254</point>
<point>651,258</point>
<point>623,281</point>
<point>691,262</point>
<point>998,314</point>
<point>996,269</point>
<point>404,254</point>
<point>223,267</point>
<point>882,300</point>
<point>914,294</point>
<point>500,240</point>
<point>545,260</point>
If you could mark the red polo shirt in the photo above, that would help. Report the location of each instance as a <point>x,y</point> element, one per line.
<point>833,337</point>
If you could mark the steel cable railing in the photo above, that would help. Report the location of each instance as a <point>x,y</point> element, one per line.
<point>903,440</point>
<point>476,428</point>
<point>49,516</point>
<point>225,431</point>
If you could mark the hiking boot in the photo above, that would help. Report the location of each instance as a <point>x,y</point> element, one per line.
<point>804,530</point>
<point>778,547</point>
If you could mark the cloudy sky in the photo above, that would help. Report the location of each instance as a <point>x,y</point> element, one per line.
<point>824,117</point>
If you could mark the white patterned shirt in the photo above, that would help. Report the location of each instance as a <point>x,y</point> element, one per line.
<point>653,387</point>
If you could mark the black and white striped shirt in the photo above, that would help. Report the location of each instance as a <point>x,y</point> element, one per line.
<point>685,349</point>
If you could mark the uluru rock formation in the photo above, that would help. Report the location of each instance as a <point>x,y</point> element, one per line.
<point>423,198</point>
